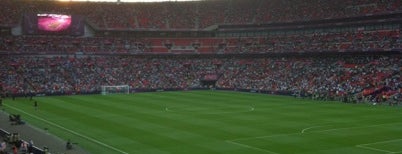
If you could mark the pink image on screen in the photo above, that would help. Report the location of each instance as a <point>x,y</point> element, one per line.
<point>53,22</point>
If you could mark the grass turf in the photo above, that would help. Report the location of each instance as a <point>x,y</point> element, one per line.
<point>214,122</point>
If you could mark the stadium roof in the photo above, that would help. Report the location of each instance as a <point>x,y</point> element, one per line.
<point>125,0</point>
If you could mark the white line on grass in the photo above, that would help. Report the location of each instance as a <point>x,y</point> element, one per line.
<point>308,128</point>
<point>277,135</point>
<point>387,141</point>
<point>178,111</point>
<point>71,131</point>
<point>259,137</point>
<point>251,147</point>
<point>327,130</point>
<point>374,149</point>
<point>317,131</point>
<point>335,129</point>
<point>366,146</point>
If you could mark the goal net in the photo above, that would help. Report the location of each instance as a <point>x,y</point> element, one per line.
<point>119,89</point>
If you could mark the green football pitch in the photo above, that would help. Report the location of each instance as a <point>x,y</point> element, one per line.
<point>206,122</point>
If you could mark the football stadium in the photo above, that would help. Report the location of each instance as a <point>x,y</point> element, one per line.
<point>200,77</point>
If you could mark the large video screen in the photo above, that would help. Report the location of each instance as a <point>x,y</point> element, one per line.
<point>53,24</point>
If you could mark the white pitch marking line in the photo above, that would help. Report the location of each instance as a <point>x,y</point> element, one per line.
<point>259,137</point>
<point>308,128</point>
<point>251,147</point>
<point>250,110</point>
<point>66,129</point>
<point>365,146</point>
<point>335,129</point>
<point>387,141</point>
<point>317,131</point>
<point>277,135</point>
<point>374,149</point>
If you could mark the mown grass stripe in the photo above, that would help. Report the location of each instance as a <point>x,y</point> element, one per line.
<point>71,131</point>
<point>138,123</point>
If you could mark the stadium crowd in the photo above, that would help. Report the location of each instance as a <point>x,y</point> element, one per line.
<point>64,65</point>
<point>379,40</point>
<point>366,77</point>
<point>12,143</point>
<point>199,14</point>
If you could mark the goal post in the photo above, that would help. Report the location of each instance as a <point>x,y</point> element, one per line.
<point>118,89</point>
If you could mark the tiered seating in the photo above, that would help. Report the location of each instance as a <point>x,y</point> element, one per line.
<point>381,40</point>
<point>198,15</point>
<point>332,77</point>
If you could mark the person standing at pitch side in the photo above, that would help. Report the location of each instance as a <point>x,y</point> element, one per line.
<point>36,105</point>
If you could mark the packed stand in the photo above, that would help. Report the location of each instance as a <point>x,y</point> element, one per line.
<point>321,78</point>
<point>71,45</point>
<point>198,15</point>
<point>366,78</point>
<point>379,40</point>
<point>68,75</point>
<point>11,143</point>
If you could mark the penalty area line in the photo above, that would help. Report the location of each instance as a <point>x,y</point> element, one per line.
<point>68,130</point>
